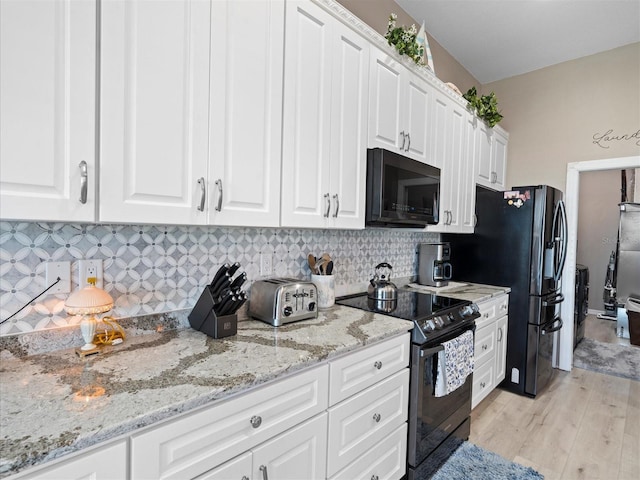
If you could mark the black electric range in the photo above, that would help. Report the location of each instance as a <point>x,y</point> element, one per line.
<point>434,316</point>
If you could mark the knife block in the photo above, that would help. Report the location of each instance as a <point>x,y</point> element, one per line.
<point>204,319</point>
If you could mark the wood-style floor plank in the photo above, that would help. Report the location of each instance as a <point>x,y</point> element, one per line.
<point>584,425</point>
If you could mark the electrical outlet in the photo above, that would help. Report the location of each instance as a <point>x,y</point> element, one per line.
<point>90,269</point>
<point>266,264</point>
<point>55,270</point>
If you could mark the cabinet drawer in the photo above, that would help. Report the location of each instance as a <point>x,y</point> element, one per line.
<point>196,443</point>
<point>485,345</point>
<point>492,309</point>
<point>357,371</point>
<point>483,383</point>
<point>388,459</point>
<point>359,423</point>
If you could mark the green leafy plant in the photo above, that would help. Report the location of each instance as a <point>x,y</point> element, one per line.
<point>486,106</point>
<point>404,40</point>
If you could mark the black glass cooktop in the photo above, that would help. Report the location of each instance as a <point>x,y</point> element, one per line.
<point>411,305</point>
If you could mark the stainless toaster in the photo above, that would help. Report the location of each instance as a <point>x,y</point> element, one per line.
<point>283,300</point>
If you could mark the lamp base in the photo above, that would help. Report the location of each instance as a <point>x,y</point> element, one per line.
<point>85,353</point>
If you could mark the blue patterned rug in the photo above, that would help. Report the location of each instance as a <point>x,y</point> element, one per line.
<point>470,462</point>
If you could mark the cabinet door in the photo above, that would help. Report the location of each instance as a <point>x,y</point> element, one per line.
<point>299,453</point>
<point>483,137</point>
<point>386,102</point>
<point>349,115</point>
<point>307,116</point>
<point>154,105</point>
<point>501,348</point>
<point>454,169</point>
<point>417,121</point>
<point>47,109</point>
<point>102,463</point>
<point>247,39</point>
<point>499,158</point>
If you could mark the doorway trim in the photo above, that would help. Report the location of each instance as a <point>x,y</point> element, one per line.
<point>565,343</point>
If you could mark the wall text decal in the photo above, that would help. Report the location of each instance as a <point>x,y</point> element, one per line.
<point>602,139</point>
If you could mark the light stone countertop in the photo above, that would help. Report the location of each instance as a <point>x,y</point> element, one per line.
<point>474,292</point>
<point>45,413</point>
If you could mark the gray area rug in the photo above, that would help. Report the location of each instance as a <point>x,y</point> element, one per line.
<point>608,358</point>
<point>470,462</point>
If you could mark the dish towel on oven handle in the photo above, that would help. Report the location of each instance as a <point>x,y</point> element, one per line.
<point>455,364</point>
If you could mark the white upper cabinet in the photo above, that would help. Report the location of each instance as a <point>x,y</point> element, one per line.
<point>247,40</point>
<point>399,108</point>
<point>451,142</point>
<point>154,104</point>
<point>491,157</point>
<point>47,110</point>
<point>325,118</point>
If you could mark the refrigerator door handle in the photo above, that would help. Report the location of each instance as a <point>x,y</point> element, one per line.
<point>549,328</point>
<point>555,300</point>
<point>561,237</point>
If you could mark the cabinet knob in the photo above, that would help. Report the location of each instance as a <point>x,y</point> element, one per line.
<point>484,347</point>
<point>244,477</point>
<point>482,384</point>
<point>376,417</point>
<point>256,421</point>
<point>486,315</point>
<point>374,477</point>
<point>378,365</point>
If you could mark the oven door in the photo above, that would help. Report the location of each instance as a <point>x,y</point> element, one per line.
<point>432,419</point>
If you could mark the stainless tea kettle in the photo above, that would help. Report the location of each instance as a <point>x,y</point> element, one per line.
<point>380,287</point>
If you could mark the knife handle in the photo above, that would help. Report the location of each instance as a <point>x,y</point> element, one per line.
<point>238,281</point>
<point>233,269</point>
<point>221,271</point>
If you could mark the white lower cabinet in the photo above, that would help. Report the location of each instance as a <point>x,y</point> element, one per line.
<point>490,347</point>
<point>298,453</point>
<point>196,443</point>
<point>107,462</point>
<point>359,423</point>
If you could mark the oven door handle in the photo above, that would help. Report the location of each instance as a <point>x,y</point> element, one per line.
<point>430,351</point>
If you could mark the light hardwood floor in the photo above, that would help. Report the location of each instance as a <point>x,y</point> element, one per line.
<point>585,425</point>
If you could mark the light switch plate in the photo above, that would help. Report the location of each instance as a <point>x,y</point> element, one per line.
<point>53,270</point>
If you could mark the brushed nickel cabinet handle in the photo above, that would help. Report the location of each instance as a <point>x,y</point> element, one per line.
<point>404,139</point>
<point>219,185</point>
<point>376,417</point>
<point>256,421</point>
<point>327,197</point>
<point>203,193</point>
<point>475,220</point>
<point>335,214</point>
<point>500,334</point>
<point>409,142</point>
<point>378,365</point>
<point>84,181</point>
<point>263,469</point>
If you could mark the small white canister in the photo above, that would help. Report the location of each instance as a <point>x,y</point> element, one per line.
<point>326,286</point>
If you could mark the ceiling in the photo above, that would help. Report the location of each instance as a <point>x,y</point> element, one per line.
<point>499,39</point>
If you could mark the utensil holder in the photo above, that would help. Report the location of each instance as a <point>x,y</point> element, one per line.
<point>204,319</point>
<point>325,285</point>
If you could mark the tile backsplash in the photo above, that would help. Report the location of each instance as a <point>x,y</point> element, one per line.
<point>156,269</point>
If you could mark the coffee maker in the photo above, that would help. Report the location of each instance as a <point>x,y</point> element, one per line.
<point>434,268</point>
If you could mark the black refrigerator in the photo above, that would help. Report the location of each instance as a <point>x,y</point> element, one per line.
<point>519,242</point>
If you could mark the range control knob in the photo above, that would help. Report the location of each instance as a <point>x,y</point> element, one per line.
<point>439,322</point>
<point>451,317</point>
<point>288,311</point>
<point>312,306</point>
<point>469,310</point>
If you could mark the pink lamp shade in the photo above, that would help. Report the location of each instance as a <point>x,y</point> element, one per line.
<point>87,302</point>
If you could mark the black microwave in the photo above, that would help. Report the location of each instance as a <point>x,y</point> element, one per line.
<point>401,192</point>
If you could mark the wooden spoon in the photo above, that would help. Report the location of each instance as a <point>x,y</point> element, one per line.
<point>312,263</point>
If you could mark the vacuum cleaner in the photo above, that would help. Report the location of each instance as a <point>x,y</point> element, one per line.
<point>609,294</point>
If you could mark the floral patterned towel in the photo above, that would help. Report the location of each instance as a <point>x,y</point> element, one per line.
<point>455,364</point>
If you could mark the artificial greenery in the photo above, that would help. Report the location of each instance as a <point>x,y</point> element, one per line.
<point>486,106</point>
<point>404,39</point>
